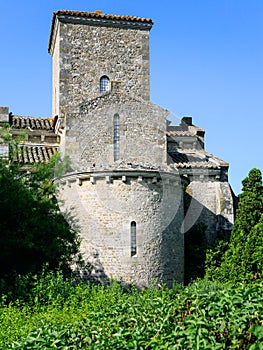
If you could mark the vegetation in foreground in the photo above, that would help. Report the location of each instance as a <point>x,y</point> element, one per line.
<point>47,311</point>
<point>204,315</point>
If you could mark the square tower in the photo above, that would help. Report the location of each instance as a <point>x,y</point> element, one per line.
<point>91,51</point>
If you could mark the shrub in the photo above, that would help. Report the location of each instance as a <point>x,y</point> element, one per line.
<point>203,315</point>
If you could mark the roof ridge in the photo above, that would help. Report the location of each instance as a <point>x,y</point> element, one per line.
<point>32,117</point>
<point>99,14</point>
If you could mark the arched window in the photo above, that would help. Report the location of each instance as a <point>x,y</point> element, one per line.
<point>116,137</point>
<point>133,239</point>
<point>104,83</point>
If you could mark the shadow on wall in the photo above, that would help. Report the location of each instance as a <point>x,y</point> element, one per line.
<point>201,236</point>
<point>90,270</point>
<point>197,213</point>
<point>182,259</point>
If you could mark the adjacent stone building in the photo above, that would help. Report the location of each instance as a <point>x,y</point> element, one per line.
<point>137,181</point>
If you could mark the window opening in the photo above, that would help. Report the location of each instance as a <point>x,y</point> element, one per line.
<point>133,239</point>
<point>104,83</point>
<point>116,137</point>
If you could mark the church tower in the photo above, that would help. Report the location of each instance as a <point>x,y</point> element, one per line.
<point>128,201</point>
<point>91,52</point>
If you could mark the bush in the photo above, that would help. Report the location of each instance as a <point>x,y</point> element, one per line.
<point>204,315</point>
<point>241,258</point>
<point>33,231</point>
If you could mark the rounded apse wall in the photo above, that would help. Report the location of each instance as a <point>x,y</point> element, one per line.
<point>130,224</point>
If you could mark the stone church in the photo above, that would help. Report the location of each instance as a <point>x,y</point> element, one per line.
<point>137,180</point>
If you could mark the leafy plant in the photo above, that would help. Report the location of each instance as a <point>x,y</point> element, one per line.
<point>241,258</point>
<point>203,315</point>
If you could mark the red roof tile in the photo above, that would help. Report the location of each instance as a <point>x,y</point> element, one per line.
<point>196,159</point>
<point>19,122</point>
<point>34,154</point>
<point>180,133</point>
<point>99,14</point>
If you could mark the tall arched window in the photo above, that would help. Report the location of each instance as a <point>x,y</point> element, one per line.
<point>116,137</point>
<point>133,239</point>
<point>104,83</point>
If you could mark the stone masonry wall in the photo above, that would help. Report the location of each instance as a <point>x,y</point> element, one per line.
<point>89,134</point>
<point>88,52</point>
<point>105,208</point>
<point>211,203</point>
<point>55,78</point>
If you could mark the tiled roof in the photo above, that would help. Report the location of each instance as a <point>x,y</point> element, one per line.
<point>96,15</point>
<point>34,154</point>
<point>197,159</point>
<point>19,122</point>
<point>180,133</point>
<point>181,127</point>
<point>99,14</point>
<point>184,130</point>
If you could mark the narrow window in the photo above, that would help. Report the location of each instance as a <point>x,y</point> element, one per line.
<point>133,238</point>
<point>116,137</point>
<point>104,84</point>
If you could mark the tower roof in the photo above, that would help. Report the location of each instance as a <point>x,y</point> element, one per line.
<point>99,18</point>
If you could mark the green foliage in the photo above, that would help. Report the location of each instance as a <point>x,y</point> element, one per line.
<point>241,258</point>
<point>214,257</point>
<point>257,330</point>
<point>250,206</point>
<point>204,315</point>
<point>33,231</point>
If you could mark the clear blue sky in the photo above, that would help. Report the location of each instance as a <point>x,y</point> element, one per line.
<point>206,61</point>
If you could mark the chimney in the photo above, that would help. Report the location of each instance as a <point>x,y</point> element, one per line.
<point>4,115</point>
<point>187,120</point>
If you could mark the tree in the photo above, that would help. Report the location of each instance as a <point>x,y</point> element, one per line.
<point>242,258</point>
<point>33,231</point>
<point>250,206</point>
